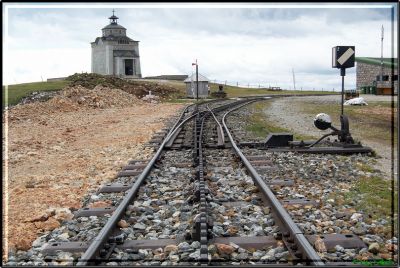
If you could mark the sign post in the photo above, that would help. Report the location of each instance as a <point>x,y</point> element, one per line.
<point>343,57</point>
<point>197,80</point>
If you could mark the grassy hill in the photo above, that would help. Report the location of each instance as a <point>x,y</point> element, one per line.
<point>177,77</point>
<point>14,93</point>
<point>234,91</point>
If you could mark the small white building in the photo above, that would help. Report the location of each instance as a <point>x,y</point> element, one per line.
<point>115,53</point>
<point>191,89</point>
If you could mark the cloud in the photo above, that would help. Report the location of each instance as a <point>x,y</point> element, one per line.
<point>256,46</point>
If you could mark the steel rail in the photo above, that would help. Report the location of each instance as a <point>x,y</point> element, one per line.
<point>305,247</point>
<point>184,111</point>
<point>202,224</point>
<point>93,251</point>
<point>219,125</point>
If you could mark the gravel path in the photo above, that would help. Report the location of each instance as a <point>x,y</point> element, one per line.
<point>287,113</point>
<point>56,157</point>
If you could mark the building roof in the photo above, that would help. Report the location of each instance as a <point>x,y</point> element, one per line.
<point>113,38</point>
<point>387,62</point>
<point>191,78</point>
<point>114,26</point>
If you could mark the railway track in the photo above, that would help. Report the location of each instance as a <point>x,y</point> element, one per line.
<point>201,199</point>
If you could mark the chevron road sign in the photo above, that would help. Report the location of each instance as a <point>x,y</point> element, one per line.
<point>343,57</point>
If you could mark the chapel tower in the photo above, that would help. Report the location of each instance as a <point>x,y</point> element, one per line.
<point>114,53</point>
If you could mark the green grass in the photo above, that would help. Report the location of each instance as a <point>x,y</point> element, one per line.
<point>372,122</point>
<point>175,100</point>
<point>176,97</point>
<point>261,127</point>
<point>173,83</point>
<point>365,168</point>
<point>14,93</point>
<point>233,91</point>
<point>373,197</point>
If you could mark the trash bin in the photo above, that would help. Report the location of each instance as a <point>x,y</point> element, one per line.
<point>373,90</point>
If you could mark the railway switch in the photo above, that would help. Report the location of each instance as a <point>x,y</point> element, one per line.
<point>322,121</point>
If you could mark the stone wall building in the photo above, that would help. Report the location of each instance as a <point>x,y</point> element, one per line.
<point>368,72</point>
<point>114,53</point>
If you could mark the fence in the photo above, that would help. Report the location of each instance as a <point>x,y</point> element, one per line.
<point>270,87</point>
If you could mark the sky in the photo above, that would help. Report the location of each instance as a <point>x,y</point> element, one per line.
<point>257,44</point>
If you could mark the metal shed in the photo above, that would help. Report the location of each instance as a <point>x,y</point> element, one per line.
<point>191,88</point>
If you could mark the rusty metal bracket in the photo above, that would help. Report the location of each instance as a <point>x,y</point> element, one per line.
<point>344,240</point>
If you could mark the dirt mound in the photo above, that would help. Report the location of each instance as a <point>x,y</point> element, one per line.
<point>98,97</point>
<point>137,88</point>
<point>75,98</point>
<point>38,96</point>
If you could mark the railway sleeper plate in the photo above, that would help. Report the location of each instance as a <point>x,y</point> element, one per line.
<point>133,162</point>
<point>87,212</point>
<point>250,242</point>
<point>72,247</point>
<point>300,201</point>
<point>284,182</point>
<point>128,244</point>
<point>127,173</point>
<point>135,166</point>
<point>347,241</point>
<point>247,242</point>
<point>115,187</point>
<point>267,168</point>
<point>213,146</point>
<point>257,157</point>
<point>175,147</point>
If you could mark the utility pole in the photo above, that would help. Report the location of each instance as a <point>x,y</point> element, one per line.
<point>294,80</point>
<point>382,55</point>
<point>342,74</point>
<point>197,80</point>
